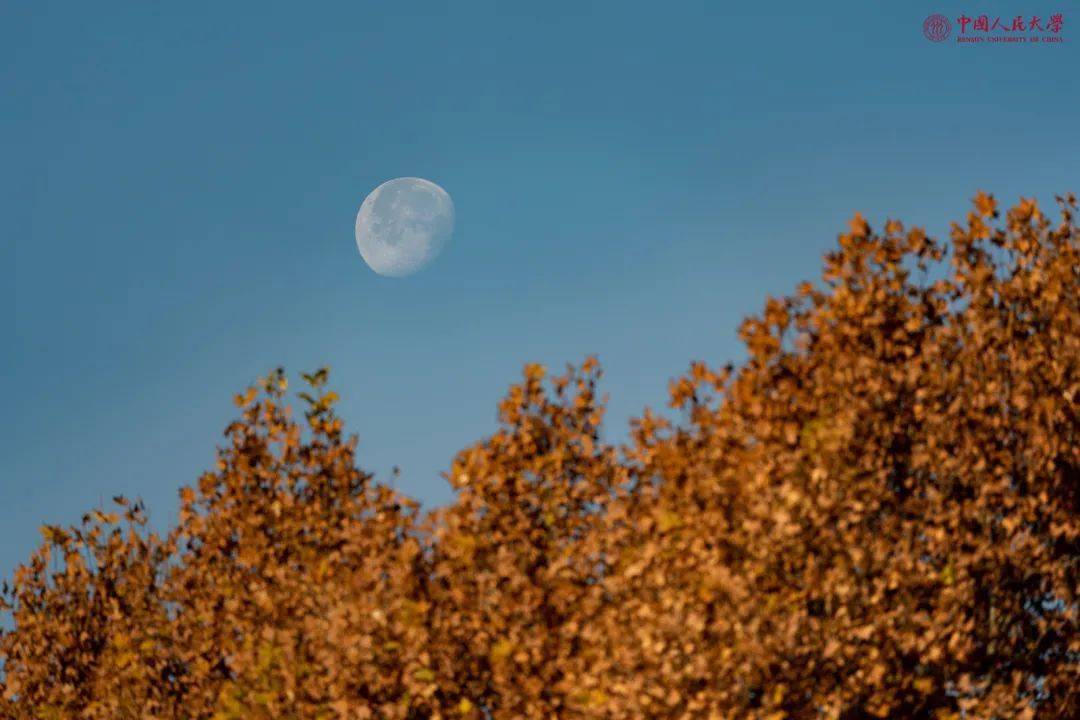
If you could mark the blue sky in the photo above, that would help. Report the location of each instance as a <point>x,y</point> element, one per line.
<point>179,185</point>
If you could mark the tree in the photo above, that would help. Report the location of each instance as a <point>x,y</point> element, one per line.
<point>876,515</point>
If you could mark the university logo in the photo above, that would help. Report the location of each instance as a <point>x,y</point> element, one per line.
<point>936,28</point>
<point>988,30</point>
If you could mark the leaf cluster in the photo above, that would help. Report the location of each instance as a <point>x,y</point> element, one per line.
<point>874,516</point>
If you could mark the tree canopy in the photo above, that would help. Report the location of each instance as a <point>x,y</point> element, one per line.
<point>874,516</point>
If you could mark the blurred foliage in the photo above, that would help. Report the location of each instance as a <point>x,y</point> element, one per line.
<point>875,516</point>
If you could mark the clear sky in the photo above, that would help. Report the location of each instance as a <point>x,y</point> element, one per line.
<point>179,183</point>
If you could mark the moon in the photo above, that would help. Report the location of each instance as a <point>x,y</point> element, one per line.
<point>403,225</point>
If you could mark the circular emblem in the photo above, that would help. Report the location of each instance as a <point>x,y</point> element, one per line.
<point>936,28</point>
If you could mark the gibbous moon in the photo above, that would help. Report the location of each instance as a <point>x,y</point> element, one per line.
<point>403,225</point>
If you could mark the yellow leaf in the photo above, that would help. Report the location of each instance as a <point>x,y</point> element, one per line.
<point>668,521</point>
<point>501,650</point>
<point>985,204</point>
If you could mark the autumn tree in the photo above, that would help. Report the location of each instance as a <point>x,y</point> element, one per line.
<point>874,516</point>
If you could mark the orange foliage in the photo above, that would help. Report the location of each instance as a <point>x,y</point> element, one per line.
<point>875,516</point>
